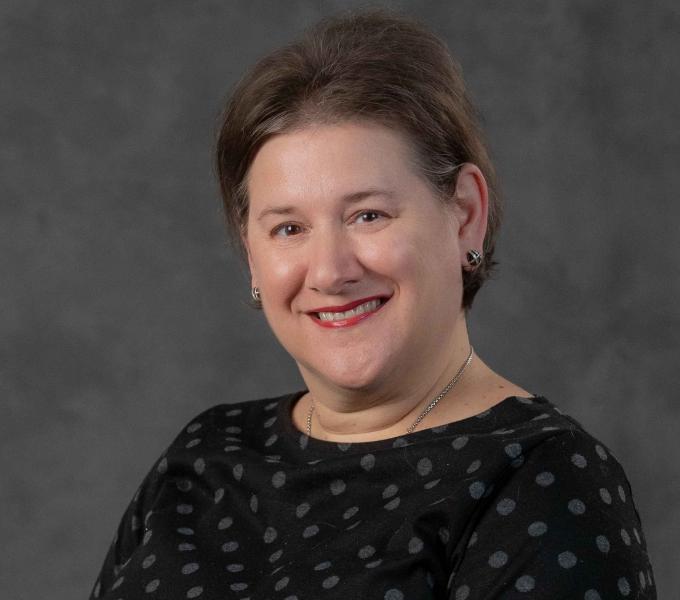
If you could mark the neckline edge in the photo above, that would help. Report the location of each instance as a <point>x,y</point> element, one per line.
<point>287,402</point>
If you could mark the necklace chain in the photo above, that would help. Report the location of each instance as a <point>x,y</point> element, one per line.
<point>430,406</point>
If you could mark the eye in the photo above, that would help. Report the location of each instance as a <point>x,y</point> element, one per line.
<point>286,230</point>
<point>368,216</point>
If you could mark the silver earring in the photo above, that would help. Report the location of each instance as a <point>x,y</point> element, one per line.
<point>474,258</point>
<point>257,298</point>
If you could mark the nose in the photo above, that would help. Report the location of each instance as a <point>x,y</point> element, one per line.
<point>332,264</point>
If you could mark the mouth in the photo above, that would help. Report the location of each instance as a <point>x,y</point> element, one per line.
<point>350,314</point>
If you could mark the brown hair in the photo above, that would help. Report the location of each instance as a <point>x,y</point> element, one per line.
<point>375,65</point>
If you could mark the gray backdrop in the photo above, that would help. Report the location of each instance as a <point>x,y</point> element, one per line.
<point>122,308</point>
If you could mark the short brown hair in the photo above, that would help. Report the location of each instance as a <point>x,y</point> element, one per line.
<point>372,64</point>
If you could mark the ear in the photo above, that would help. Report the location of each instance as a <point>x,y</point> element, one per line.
<point>470,209</point>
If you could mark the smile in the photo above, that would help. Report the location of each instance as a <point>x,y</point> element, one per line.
<point>349,317</point>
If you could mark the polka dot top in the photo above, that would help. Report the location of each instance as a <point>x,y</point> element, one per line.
<point>516,502</point>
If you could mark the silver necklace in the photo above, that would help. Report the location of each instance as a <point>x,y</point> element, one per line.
<point>430,406</point>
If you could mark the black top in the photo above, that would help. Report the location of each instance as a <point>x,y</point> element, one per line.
<point>516,502</point>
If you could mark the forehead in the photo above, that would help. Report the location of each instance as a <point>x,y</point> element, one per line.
<point>330,160</point>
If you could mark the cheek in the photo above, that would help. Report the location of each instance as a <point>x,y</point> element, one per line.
<point>428,263</point>
<point>279,276</point>
<point>399,262</point>
<point>404,256</point>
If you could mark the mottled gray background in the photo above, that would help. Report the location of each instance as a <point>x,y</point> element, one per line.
<point>122,309</point>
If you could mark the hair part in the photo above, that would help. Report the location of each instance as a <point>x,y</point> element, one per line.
<point>372,65</point>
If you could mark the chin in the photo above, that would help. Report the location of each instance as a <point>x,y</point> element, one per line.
<point>348,375</point>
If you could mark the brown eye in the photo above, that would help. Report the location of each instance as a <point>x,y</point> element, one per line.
<point>368,216</point>
<point>286,230</point>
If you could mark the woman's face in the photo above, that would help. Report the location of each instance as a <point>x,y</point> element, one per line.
<point>338,217</point>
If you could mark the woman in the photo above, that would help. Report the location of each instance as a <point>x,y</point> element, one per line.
<point>354,175</point>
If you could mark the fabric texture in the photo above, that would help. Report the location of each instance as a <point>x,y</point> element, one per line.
<point>516,502</point>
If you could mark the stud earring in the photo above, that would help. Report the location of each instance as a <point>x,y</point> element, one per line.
<point>474,258</point>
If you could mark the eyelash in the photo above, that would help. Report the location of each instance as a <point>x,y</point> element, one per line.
<point>279,228</point>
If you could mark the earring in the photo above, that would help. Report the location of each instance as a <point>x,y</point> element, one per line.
<point>257,298</point>
<point>474,258</point>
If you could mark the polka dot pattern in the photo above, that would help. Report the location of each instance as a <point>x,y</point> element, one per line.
<point>243,505</point>
<point>498,559</point>
<point>537,528</point>
<point>525,583</point>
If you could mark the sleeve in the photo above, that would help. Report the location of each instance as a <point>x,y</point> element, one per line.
<point>563,525</point>
<point>131,530</point>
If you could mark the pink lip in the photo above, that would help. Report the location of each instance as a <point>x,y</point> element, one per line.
<point>346,322</point>
<point>344,307</point>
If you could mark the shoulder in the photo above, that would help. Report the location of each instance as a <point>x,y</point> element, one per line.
<point>572,483</point>
<point>568,455</point>
<point>223,424</point>
<point>561,470</point>
<point>552,435</point>
<point>233,409</point>
<point>213,431</point>
<point>564,520</point>
<point>233,412</point>
<point>574,450</point>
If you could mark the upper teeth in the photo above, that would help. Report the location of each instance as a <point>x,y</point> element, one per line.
<point>357,310</point>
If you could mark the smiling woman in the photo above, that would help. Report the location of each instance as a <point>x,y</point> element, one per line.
<point>364,232</point>
<point>357,183</point>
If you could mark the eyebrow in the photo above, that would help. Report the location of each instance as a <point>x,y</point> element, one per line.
<point>347,199</point>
